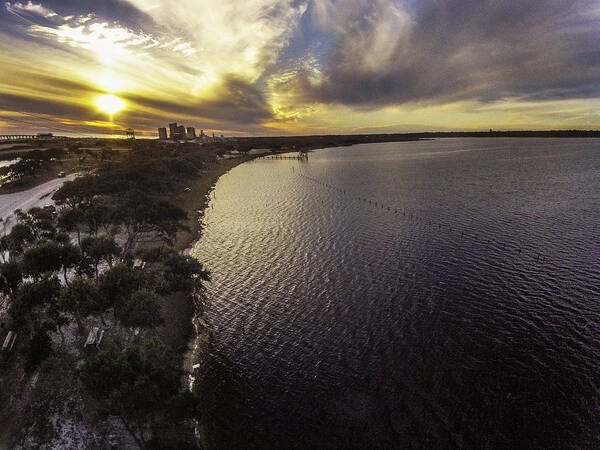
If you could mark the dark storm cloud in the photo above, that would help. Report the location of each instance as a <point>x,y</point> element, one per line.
<point>47,107</point>
<point>450,50</point>
<point>26,113</point>
<point>234,101</point>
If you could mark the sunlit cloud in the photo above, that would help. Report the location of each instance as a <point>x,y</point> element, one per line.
<point>303,66</point>
<point>110,43</point>
<point>111,82</point>
<point>241,38</point>
<point>30,7</point>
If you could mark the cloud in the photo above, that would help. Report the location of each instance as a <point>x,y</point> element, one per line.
<point>232,37</point>
<point>112,10</point>
<point>189,59</point>
<point>304,65</point>
<point>30,7</point>
<point>442,51</point>
<point>111,43</point>
<point>233,101</point>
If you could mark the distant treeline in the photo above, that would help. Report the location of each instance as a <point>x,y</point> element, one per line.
<point>319,141</point>
<point>304,142</point>
<point>515,134</point>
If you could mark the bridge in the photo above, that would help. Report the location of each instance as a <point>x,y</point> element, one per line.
<point>17,137</point>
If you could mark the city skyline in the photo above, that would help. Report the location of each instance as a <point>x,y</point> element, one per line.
<point>299,67</point>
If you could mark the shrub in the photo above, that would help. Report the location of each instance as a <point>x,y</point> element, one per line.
<point>39,349</point>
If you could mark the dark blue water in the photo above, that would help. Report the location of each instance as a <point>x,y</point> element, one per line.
<point>434,294</point>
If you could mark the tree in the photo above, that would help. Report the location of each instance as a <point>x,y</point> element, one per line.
<point>141,310</point>
<point>77,193</point>
<point>137,385</point>
<point>24,167</point>
<point>69,257</point>
<point>73,148</point>
<point>184,406</point>
<point>153,255</point>
<point>30,295</point>
<point>106,153</point>
<point>117,284</point>
<point>57,319</point>
<point>45,257</point>
<point>183,271</point>
<point>137,178</point>
<point>41,221</point>
<point>10,278</point>
<point>17,240</point>
<point>82,299</point>
<point>70,219</point>
<point>62,238</point>
<point>173,272</point>
<point>99,215</point>
<point>99,249</point>
<point>143,216</point>
<point>49,257</point>
<point>39,349</point>
<point>170,271</point>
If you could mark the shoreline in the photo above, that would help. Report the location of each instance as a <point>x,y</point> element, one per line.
<point>177,330</point>
<point>197,199</point>
<point>194,203</point>
<point>185,328</point>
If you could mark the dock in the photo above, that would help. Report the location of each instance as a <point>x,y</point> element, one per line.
<point>302,156</point>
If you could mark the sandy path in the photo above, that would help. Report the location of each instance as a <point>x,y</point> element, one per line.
<point>38,196</point>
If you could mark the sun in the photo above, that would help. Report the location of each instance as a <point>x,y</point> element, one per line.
<point>110,104</point>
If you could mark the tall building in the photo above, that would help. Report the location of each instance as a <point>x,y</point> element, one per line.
<point>162,134</point>
<point>191,133</point>
<point>173,130</point>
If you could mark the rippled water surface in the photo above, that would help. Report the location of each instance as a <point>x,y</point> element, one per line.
<point>433,294</point>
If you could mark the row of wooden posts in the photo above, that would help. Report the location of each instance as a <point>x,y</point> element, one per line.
<point>405,213</point>
<point>299,156</point>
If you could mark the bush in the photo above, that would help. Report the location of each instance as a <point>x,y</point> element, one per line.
<point>39,349</point>
<point>168,443</point>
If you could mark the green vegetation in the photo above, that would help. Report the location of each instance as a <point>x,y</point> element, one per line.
<point>103,257</point>
<point>141,386</point>
<point>28,166</point>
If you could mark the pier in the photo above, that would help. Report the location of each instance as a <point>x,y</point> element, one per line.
<point>303,156</point>
<point>19,137</point>
<point>15,137</point>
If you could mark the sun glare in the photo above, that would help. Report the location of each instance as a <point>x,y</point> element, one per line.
<point>110,104</point>
<point>110,83</point>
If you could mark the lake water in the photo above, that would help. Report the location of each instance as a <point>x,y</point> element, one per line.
<point>432,294</point>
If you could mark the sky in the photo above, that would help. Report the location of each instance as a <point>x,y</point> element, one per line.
<point>285,67</point>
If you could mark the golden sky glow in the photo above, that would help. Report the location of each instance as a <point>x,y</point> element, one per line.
<point>299,67</point>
